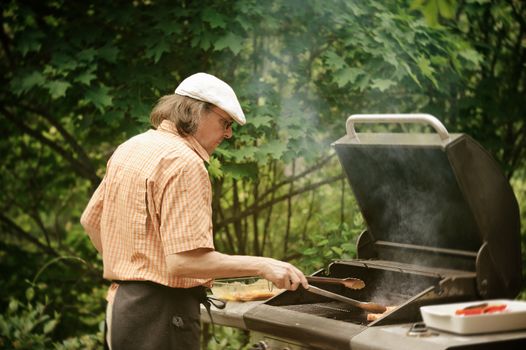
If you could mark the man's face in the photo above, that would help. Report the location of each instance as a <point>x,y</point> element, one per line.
<point>215,126</point>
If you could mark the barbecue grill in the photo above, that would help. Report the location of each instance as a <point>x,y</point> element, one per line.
<point>442,226</point>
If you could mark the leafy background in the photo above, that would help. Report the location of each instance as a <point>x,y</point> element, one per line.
<point>78,78</point>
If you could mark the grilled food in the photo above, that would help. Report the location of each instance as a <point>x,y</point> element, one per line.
<point>373,317</point>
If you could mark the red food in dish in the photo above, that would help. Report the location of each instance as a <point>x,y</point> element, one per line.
<point>483,309</point>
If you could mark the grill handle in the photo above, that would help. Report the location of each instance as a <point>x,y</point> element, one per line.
<point>420,118</point>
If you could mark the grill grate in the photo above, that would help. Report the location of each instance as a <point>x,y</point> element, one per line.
<point>334,310</point>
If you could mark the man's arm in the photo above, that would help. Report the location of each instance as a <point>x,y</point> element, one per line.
<point>206,263</point>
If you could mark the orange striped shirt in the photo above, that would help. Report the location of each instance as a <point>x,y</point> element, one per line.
<point>155,200</point>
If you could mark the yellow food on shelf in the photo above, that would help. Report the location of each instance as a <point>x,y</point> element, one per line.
<point>244,290</point>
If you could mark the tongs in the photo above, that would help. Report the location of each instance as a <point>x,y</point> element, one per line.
<point>371,307</point>
<point>352,283</point>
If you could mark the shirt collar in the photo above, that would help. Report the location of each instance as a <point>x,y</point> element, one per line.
<point>189,140</point>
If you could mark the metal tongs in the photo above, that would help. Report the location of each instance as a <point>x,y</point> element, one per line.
<point>371,307</point>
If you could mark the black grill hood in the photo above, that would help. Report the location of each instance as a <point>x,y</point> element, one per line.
<point>440,195</point>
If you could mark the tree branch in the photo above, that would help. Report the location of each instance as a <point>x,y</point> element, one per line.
<point>237,223</point>
<point>516,157</point>
<point>17,231</point>
<point>307,171</point>
<point>5,42</point>
<point>289,211</point>
<point>255,207</point>
<point>65,134</point>
<point>517,13</point>
<point>77,166</point>
<point>309,216</point>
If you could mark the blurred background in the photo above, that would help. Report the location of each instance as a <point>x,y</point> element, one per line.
<point>78,78</point>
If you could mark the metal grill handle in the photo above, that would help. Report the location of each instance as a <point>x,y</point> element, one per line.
<point>396,118</point>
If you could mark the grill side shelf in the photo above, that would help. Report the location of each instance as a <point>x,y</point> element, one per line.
<point>308,329</point>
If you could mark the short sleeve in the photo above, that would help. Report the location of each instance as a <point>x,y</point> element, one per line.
<point>91,216</point>
<point>186,210</point>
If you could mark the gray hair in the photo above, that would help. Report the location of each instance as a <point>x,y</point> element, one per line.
<point>185,112</point>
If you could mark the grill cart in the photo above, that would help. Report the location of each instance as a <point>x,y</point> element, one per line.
<point>442,226</point>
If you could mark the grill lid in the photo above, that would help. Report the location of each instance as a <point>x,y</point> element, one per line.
<point>435,193</point>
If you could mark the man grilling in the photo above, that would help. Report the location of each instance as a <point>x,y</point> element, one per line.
<point>151,220</point>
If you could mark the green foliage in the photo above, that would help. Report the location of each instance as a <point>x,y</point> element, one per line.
<point>434,9</point>
<point>27,325</point>
<point>59,284</point>
<point>78,78</point>
<point>519,187</point>
<point>84,342</point>
<point>31,326</point>
<point>229,338</point>
<point>330,243</point>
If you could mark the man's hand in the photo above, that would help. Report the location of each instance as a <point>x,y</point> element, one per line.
<point>282,274</point>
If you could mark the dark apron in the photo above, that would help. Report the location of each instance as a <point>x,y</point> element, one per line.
<point>148,316</point>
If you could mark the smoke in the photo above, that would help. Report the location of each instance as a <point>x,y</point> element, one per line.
<point>410,195</point>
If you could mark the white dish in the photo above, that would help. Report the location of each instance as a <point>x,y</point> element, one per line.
<point>443,317</point>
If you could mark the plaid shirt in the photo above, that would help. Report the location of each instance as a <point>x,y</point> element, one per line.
<point>154,200</point>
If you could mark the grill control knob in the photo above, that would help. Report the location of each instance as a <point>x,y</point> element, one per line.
<point>419,329</point>
<point>260,345</point>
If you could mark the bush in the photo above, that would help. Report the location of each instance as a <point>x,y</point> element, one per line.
<point>27,325</point>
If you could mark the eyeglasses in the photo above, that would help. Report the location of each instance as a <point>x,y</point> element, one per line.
<point>226,123</point>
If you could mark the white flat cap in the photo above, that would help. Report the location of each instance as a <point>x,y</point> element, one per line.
<point>207,88</point>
